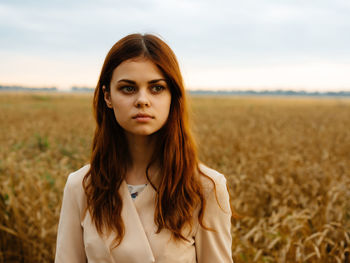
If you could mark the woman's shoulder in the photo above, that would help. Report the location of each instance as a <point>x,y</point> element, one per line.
<point>214,175</point>
<point>215,180</point>
<point>75,180</point>
<point>209,178</point>
<point>74,187</point>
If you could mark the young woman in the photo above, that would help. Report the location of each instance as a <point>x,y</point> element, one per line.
<point>144,197</point>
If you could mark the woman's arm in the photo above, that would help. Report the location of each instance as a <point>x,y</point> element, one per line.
<point>215,246</point>
<point>70,244</point>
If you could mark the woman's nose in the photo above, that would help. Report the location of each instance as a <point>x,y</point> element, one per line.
<point>142,99</point>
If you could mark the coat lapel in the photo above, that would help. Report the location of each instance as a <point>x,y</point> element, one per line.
<point>135,246</point>
<point>145,207</point>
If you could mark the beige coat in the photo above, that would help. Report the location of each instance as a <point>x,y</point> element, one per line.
<point>78,240</point>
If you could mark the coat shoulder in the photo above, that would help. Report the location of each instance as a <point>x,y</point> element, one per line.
<point>215,176</point>
<point>215,189</point>
<point>75,179</point>
<point>74,187</point>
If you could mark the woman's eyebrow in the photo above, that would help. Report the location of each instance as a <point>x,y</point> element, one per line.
<point>149,82</point>
<point>127,81</point>
<point>156,80</point>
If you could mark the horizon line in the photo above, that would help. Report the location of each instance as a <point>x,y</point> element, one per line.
<point>263,88</point>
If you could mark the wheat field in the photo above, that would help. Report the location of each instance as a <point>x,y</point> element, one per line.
<point>286,160</point>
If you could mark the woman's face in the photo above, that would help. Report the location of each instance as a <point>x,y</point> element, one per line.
<point>139,96</point>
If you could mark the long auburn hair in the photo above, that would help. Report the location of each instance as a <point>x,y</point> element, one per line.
<point>180,191</point>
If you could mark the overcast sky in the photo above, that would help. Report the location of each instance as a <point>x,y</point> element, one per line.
<point>251,44</point>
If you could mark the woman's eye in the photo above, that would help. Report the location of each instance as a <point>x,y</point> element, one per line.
<point>157,89</point>
<point>127,89</point>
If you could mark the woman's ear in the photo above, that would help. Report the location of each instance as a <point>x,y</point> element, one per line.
<point>107,97</point>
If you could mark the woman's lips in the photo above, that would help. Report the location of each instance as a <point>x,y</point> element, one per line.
<point>142,117</point>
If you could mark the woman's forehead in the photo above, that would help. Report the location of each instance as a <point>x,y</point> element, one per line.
<point>137,69</point>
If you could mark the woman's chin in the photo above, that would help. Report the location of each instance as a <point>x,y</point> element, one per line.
<point>143,132</point>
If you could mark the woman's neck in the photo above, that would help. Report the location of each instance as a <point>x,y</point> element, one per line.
<point>141,149</point>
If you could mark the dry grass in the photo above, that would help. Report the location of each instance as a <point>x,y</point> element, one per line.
<point>287,162</point>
